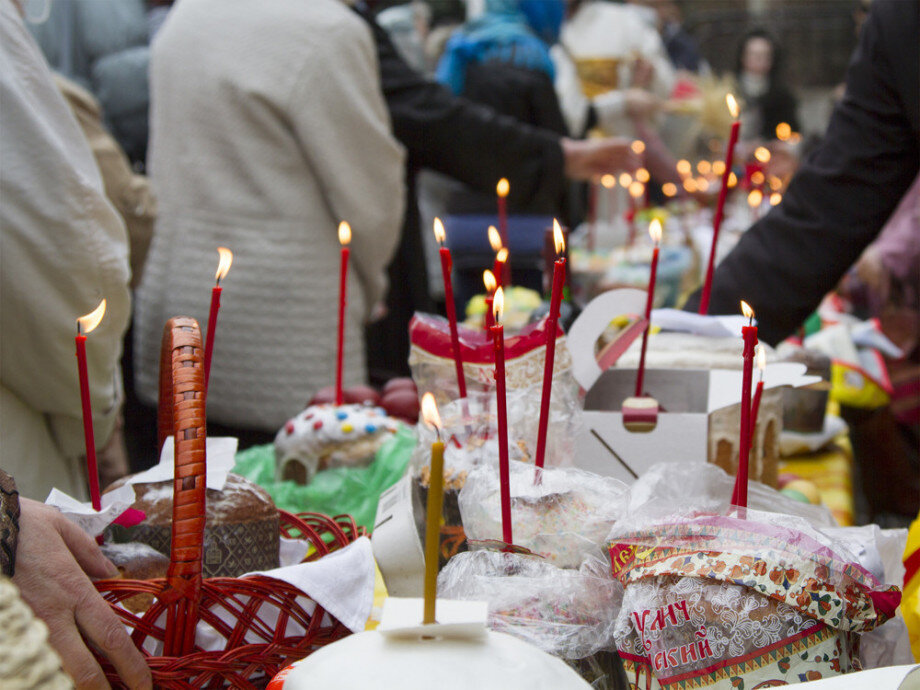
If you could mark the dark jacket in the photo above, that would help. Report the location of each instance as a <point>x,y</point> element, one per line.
<point>845,190</point>
<point>469,142</point>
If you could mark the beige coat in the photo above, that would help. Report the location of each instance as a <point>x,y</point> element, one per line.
<point>268,127</point>
<point>63,248</point>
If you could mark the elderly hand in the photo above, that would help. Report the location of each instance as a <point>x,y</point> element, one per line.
<point>588,158</point>
<point>54,563</point>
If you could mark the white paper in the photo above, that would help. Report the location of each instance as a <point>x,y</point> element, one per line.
<point>728,326</point>
<point>221,455</point>
<point>114,503</point>
<point>725,385</point>
<point>455,619</point>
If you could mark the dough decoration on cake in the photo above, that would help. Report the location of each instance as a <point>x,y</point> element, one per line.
<point>326,436</point>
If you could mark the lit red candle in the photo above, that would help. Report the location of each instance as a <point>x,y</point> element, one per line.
<point>643,176</point>
<point>749,334</point>
<point>758,391</point>
<point>446,266</point>
<point>488,280</point>
<point>501,190</point>
<point>655,231</point>
<point>755,199</point>
<point>609,182</point>
<point>223,265</point>
<point>720,204</point>
<point>85,325</point>
<point>636,190</point>
<point>501,255</point>
<point>344,240</point>
<point>551,327</point>
<point>498,346</point>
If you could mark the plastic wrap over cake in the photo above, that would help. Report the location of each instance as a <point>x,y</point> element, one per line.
<point>567,613</point>
<point>565,517</point>
<point>431,360</point>
<point>744,599</point>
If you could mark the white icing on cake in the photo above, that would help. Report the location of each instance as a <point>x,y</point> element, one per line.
<point>331,436</point>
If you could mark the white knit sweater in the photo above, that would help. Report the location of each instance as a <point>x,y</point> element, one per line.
<point>268,127</point>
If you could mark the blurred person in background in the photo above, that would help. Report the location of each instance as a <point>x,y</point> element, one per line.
<point>766,99</point>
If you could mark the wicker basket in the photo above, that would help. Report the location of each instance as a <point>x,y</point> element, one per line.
<point>263,625</point>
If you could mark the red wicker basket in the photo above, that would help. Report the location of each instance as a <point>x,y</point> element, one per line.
<point>263,626</point>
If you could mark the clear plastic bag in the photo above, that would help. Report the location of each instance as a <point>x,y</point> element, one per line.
<point>564,518</point>
<point>567,613</point>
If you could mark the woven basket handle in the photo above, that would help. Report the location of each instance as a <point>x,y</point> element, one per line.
<point>182,415</point>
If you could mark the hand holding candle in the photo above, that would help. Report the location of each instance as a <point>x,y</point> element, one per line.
<point>749,334</point>
<point>446,265</point>
<point>720,204</point>
<point>488,280</point>
<point>502,189</point>
<point>655,231</point>
<point>344,240</point>
<point>223,266</point>
<point>498,344</point>
<point>85,325</point>
<point>435,499</point>
<point>551,327</point>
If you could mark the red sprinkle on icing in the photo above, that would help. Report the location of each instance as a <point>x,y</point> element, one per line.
<point>318,424</point>
<point>289,428</point>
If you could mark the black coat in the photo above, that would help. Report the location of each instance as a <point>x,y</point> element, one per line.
<point>469,142</point>
<point>845,190</point>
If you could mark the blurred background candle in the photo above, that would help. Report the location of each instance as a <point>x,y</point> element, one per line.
<point>446,267</point>
<point>654,231</point>
<point>502,189</point>
<point>488,280</point>
<point>344,240</point>
<point>86,324</point>
<point>223,266</point>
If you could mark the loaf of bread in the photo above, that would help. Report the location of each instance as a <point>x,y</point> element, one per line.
<point>136,561</point>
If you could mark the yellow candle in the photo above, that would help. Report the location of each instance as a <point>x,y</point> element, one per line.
<point>435,501</point>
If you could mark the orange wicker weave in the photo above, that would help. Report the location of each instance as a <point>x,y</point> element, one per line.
<point>260,622</point>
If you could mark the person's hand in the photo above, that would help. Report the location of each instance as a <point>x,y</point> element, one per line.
<point>54,563</point>
<point>641,103</point>
<point>588,158</point>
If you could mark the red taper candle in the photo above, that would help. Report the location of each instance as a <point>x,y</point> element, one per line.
<point>344,239</point>
<point>655,231</point>
<point>720,204</point>
<point>498,346</point>
<point>501,190</point>
<point>758,391</point>
<point>86,324</point>
<point>223,265</point>
<point>551,327</point>
<point>749,334</point>
<point>446,266</point>
<point>488,280</point>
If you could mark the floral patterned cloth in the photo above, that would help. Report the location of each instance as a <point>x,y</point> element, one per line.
<point>722,602</point>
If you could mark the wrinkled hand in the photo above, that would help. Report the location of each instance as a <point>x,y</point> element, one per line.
<point>588,158</point>
<point>641,103</point>
<point>54,563</point>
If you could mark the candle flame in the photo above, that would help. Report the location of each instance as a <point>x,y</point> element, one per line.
<point>430,412</point>
<point>776,183</point>
<point>636,189</point>
<point>654,230</point>
<point>757,177</point>
<point>761,357</point>
<point>344,233</point>
<point>669,189</point>
<point>746,310</point>
<point>732,180</point>
<point>494,238</point>
<point>558,237</point>
<point>642,175</point>
<point>223,264</point>
<point>702,184</point>
<point>755,198</point>
<point>502,255</point>
<point>625,180</point>
<point>488,279</point>
<point>684,167</point>
<point>438,228</point>
<point>498,305</point>
<point>609,181</point>
<point>690,185</point>
<point>704,167</point>
<point>87,324</point>
<point>502,188</point>
<point>638,147</point>
<point>775,198</point>
<point>718,168</point>
<point>732,105</point>
<point>783,131</point>
<point>762,154</point>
